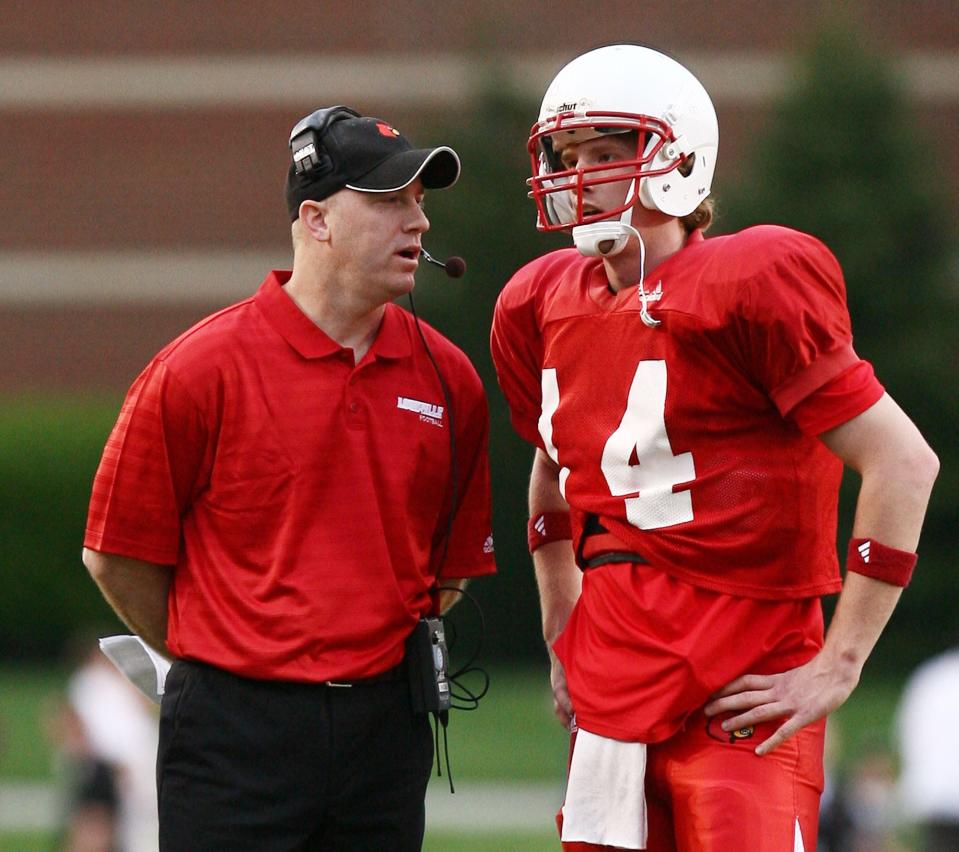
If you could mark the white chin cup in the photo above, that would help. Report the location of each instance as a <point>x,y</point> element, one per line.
<point>601,239</point>
<point>604,239</point>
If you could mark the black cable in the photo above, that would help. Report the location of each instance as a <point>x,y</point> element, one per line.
<point>468,700</point>
<point>454,477</point>
<point>479,612</point>
<point>444,721</point>
<point>458,690</point>
<point>464,693</point>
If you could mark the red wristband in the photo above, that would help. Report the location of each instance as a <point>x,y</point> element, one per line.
<point>867,556</point>
<point>546,527</point>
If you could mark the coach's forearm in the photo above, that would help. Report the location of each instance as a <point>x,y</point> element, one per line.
<point>451,594</point>
<point>136,590</point>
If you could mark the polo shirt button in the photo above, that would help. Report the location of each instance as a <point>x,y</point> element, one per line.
<point>354,406</point>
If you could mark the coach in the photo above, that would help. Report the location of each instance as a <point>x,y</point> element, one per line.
<point>278,504</point>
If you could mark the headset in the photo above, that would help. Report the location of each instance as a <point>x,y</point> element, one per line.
<point>309,154</point>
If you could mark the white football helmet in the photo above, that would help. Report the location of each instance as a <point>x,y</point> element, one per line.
<point>620,89</point>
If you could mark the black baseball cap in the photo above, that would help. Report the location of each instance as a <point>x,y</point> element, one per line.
<point>337,148</point>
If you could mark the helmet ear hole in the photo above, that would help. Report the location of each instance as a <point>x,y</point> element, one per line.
<point>679,192</point>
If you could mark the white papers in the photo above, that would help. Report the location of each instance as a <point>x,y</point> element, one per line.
<point>139,663</point>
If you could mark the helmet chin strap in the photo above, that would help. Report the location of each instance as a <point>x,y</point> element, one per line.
<point>606,239</point>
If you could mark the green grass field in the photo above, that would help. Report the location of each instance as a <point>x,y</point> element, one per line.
<point>517,842</point>
<point>25,696</point>
<point>482,743</point>
<point>512,736</point>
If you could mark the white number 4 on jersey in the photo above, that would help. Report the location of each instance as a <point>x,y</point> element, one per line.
<point>643,429</point>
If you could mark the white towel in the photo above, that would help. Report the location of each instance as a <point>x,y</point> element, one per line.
<point>605,799</point>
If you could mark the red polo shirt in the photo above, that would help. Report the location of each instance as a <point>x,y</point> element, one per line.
<point>302,499</point>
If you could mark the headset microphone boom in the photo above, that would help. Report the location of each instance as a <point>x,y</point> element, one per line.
<point>454,266</point>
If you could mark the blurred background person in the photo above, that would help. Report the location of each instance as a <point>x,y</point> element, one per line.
<point>872,802</point>
<point>89,796</point>
<point>928,740</point>
<point>109,730</point>
<point>835,819</point>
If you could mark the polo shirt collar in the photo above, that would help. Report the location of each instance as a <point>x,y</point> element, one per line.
<point>310,341</point>
<point>393,338</point>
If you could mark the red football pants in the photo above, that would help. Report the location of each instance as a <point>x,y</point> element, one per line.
<point>706,791</point>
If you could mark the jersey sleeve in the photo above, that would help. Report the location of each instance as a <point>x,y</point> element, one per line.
<point>799,337</point>
<point>152,467</point>
<point>839,400</point>
<point>471,542</point>
<point>517,348</point>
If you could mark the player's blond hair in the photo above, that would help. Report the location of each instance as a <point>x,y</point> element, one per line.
<point>702,217</point>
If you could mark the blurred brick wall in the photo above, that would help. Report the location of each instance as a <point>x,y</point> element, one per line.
<point>140,168</point>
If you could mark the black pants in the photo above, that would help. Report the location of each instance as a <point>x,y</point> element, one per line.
<point>269,766</point>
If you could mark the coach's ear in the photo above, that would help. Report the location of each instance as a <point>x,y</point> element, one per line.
<point>314,215</point>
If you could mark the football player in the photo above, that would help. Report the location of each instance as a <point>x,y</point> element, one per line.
<point>692,403</point>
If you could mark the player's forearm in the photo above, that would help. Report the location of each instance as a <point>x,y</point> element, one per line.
<point>862,612</point>
<point>558,578</point>
<point>890,510</point>
<point>559,581</point>
<point>136,590</point>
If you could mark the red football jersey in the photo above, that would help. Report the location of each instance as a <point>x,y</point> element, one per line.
<point>694,441</point>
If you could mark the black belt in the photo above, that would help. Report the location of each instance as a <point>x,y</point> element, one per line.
<point>615,556</point>
<point>398,673</point>
<point>593,526</point>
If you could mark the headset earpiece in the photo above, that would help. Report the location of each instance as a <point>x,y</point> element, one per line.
<point>307,150</point>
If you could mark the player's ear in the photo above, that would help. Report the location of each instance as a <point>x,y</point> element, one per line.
<point>314,215</point>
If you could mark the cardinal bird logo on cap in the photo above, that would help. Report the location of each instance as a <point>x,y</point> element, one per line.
<point>386,130</point>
